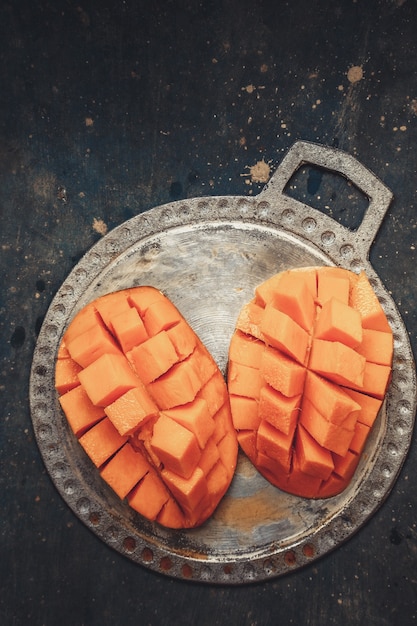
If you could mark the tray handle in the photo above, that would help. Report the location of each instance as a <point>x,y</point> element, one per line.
<point>340,162</point>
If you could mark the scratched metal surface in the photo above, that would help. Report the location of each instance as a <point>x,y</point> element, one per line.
<point>207,255</point>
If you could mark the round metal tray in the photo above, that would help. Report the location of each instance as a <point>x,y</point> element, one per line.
<point>207,255</point>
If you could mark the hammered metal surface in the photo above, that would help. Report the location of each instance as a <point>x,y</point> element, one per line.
<point>207,255</point>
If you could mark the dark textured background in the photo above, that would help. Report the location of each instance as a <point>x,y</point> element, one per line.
<point>110,108</point>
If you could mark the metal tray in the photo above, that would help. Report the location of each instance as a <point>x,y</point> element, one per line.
<point>207,255</point>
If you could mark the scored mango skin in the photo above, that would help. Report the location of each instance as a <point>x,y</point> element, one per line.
<point>309,365</point>
<point>148,405</point>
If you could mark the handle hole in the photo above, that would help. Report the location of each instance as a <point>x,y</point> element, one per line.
<point>330,193</point>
